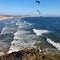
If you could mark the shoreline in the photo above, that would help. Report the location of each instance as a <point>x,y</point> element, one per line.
<point>8,17</point>
<point>4,18</point>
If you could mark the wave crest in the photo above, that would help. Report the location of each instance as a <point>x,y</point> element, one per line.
<point>56,45</point>
<point>40,32</point>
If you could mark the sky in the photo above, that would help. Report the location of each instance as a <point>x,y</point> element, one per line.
<point>29,7</point>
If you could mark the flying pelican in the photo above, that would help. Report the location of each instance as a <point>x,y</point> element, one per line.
<point>38,11</point>
<point>38,2</point>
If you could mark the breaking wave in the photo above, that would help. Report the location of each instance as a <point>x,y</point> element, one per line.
<point>56,45</point>
<point>7,30</point>
<point>22,38</point>
<point>40,32</point>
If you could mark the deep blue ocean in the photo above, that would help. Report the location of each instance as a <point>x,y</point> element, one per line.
<point>19,33</point>
<point>47,23</point>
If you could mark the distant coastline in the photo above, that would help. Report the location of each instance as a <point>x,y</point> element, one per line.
<point>8,17</point>
<point>4,17</point>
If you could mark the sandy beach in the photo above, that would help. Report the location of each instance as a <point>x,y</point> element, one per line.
<point>4,17</point>
<point>7,17</point>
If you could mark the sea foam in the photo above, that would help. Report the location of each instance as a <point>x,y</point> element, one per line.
<point>22,38</point>
<point>56,45</point>
<point>7,30</point>
<point>40,32</point>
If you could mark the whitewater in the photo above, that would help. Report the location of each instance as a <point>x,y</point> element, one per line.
<point>40,32</point>
<point>21,33</point>
<point>22,38</point>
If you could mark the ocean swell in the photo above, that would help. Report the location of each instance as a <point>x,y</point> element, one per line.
<point>7,30</point>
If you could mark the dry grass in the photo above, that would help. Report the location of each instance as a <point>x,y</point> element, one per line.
<point>28,54</point>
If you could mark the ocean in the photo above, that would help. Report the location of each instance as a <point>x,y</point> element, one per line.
<point>29,32</point>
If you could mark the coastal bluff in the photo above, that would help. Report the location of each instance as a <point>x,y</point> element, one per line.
<point>28,54</point>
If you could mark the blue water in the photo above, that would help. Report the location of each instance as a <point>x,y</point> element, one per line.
<point>47,23</point>
<point>25,26</point>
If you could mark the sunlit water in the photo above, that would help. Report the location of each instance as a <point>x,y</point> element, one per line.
<point>20,33</point>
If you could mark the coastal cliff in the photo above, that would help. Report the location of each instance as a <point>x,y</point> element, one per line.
<point>28,54</point>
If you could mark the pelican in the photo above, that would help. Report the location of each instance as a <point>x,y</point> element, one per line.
<point>38,2</point>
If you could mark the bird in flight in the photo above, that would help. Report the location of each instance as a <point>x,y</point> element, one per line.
<point>38,11</point>
<point>38,2</point>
